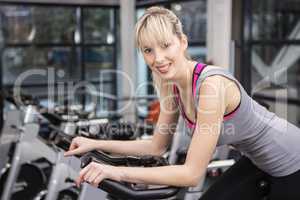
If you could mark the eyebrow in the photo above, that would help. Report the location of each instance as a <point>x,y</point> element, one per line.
<point>146,47</point>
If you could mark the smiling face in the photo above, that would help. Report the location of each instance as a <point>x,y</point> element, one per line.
<point>159,37</point>
<point>164,58</point>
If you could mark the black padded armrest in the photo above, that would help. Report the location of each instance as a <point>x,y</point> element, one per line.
<point>126,190</point>
<point>99,156</point>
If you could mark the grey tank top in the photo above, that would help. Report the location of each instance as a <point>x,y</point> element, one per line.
<point>270,142</point>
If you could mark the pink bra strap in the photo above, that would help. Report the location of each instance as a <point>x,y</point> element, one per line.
<point>197,71</point>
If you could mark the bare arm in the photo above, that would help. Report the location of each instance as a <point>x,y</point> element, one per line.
<point>209,117</point>
<point>155,146</point>
<point>162,136</point>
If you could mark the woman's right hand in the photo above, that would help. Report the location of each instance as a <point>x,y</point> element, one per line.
<point>81,145</point>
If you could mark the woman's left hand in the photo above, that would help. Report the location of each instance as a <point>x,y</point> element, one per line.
<point>94,173</point>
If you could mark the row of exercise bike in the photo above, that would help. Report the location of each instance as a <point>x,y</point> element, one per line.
<point>33,167</point>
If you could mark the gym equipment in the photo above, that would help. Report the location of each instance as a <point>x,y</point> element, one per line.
<point>59,130</point>
<point>23,153</point>
<point>49,142</point>
<point>122,190</point>
<point>22,156</point>
<point>61,184</point>
<point>71,193</point>
<point>27,170</point>
<point>9,138</point>
<point>32,180</point>
<point>61,180</point>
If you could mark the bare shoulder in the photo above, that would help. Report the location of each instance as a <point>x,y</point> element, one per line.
<point>219,78</point>
<point>223,87</point>
<point>215,82</point>
<point>221,84</point>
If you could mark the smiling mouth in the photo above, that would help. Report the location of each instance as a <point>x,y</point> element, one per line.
<point>163,68</point>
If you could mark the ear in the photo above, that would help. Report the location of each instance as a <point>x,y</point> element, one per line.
<point>184,42</point>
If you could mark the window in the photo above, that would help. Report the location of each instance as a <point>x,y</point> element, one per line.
<point>48,45</point>
<point>273,42</point>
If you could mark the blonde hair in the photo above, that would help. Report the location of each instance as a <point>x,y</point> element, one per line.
<point>157,25</point>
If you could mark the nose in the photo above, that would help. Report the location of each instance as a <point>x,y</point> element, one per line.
<point>159,56</point>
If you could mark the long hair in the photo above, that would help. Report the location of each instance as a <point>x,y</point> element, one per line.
<point>156,26</point>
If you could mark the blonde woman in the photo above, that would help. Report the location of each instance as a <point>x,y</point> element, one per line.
<point>217,111</point>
